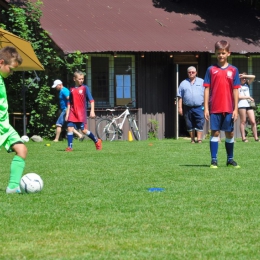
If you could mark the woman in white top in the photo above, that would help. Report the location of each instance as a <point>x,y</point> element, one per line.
<point>244,108</point>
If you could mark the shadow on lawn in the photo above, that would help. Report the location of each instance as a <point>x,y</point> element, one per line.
<point>76,150</point>
<point>194,165</point>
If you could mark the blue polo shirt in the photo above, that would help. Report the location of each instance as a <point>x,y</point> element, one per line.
<point>64,93</point>
<point>192,94</point>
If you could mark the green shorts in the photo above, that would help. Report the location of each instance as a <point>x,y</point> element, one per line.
<point>9,139</point>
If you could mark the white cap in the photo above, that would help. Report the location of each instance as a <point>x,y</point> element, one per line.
<point>56,82</point>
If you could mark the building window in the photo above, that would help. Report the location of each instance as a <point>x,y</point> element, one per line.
<point>123,86</point>
<point>100,80</point>
<point>123,74</point>
<point>111,79</point>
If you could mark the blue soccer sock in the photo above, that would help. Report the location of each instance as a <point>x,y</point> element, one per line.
<point>229,144</point>
<point>214,148</point>
<point>91,136</point>
<point>70,139</point>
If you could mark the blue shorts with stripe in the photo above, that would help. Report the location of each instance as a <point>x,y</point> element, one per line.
<point>77,125</point>
<point>222,121</point>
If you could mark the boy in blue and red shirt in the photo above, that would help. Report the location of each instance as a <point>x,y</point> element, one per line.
<point>221,102</point>
<point>76,114</point>
<point>64,96</point>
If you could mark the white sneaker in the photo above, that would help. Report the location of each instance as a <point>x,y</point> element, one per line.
<point>15,190</point>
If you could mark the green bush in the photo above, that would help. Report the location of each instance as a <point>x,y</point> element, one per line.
<point>41,121</point>
<point>153,129</point>
<point>40,100</point>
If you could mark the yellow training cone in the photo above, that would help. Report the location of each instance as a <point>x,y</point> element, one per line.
<point>130,137</point>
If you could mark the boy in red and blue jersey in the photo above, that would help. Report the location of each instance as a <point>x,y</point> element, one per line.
<point>76,114</point>
<point>63,97</point>
<point>221,84</point>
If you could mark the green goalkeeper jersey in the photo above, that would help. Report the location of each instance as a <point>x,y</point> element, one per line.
<point>8,136</point>
<point>4,117</point>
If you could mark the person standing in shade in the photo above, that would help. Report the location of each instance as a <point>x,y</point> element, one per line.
<point>244,108</point>
<point>9,138</point>
<point>190,104</point>
<point>76,115</point>
<point>64,95</point>
<point>221,84</point>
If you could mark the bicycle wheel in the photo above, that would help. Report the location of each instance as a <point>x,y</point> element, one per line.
<point>134,129</point>
<point>106,130</point>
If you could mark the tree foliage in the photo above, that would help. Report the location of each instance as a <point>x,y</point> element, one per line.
<point>41,100</point>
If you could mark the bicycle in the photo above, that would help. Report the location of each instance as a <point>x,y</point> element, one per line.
<point>107,128</point>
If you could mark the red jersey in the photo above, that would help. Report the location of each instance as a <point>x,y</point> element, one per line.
<point>78,104</point>
<point>221,82</point>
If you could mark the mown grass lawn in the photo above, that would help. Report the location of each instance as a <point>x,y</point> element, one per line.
<point>97,204</point>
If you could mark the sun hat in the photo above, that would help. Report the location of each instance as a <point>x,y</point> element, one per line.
<point>56,83</point>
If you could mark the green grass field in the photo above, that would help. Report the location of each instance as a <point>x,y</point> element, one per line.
<point>96,204</point>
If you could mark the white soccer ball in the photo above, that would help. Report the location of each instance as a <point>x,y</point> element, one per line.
<point>31,183</point>
<point>25,138</point>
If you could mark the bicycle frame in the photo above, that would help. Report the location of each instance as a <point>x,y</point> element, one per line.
<point>125,114</point>
<point>108,127</point>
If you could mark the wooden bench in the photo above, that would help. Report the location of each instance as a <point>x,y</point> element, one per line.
<point>18,116</point>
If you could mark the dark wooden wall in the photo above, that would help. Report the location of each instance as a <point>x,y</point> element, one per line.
<point>156,93</point>
<point>156,90</point>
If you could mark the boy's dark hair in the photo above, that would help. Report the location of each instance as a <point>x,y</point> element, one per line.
<point>9,54</point>
<point>222,45</point>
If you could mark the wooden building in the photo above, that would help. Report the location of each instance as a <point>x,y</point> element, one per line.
<point>140,50</point>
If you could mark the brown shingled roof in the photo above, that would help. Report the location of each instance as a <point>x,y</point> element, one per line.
<point>149,25</point>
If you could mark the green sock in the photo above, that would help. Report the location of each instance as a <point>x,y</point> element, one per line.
<point>17,167</point>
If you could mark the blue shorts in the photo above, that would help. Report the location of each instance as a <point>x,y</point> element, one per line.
<point>78,125</point>
<point>194,118</point>
<point>222,121</point>
<point>61,119</point>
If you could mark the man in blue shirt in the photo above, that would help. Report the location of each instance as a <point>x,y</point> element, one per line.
<point>64,98</point>
<point>190,104</point>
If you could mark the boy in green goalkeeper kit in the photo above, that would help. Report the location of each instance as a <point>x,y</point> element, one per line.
<point>9,138</point>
